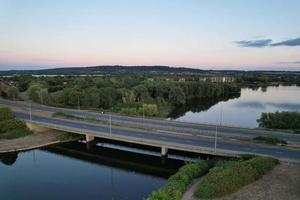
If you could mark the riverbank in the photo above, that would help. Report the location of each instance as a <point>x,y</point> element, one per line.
<point>282,183</point>
<point>35,140</point>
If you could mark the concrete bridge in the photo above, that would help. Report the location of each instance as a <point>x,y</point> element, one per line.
<point>162,140</point>
<point>164,134</point>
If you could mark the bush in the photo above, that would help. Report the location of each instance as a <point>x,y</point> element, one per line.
<point>11,124</point>
<point>5,113</point>
<point>16,133</point>
<point>178,183</point>
<point>280,120</point>
<point>228,178</point>
<point>270,140</point>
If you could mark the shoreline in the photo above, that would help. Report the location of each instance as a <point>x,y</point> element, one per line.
<point>33,141</point>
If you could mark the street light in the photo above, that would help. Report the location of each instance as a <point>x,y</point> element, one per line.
<point>221,119</point>
<point>109,124</point>
<point>30,115</point>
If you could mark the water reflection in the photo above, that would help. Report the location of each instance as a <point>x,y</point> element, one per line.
<point>246,109</point>
<point>71,171</point>
<point>199,105</point>
<point>9,158</point>
<point>141,163</point>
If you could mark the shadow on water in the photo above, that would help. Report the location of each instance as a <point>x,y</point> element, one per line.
<point>125,160</point>
<point>8,158</point>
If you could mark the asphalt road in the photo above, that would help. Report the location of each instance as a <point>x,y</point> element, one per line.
<point>165,125</point>
<point>182,140</point>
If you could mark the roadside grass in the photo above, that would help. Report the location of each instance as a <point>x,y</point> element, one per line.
<point>228,177</point>
<point>270,140</point>
<point>70,116</point>
<point>65,115</point>
<point>179,182</point>
<point>68,136</point>
<point>296,131</point>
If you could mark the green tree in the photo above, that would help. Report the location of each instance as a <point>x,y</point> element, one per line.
<point>177,96</point>
<point>12,92</point>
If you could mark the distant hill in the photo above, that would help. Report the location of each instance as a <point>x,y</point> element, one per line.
<point>115,69</point>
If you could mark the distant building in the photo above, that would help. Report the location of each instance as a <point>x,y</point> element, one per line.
<point>222,79</point>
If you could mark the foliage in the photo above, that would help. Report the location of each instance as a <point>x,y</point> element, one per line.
<point>178,183</point>
<point>17,133</point>
<point>10,127</point>
<point>5,113</point>
<point>270,140</point>
<point>11,124</point>
<point>10,92</point>
<point>228,178</point>
<point>122,93</point>
<point>149,109</point>
<point>68,136</point>
<point>280,120</point>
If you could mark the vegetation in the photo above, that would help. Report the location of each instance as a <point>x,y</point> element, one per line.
<point>228,177</point>
<point>178,183</point>
<point>10,127</point>
<point>270,140</point>
<point>5,114</point>
<point>131,94</point>
<point>9,92</point>
<point>280,120</point>
<point>68,136</point>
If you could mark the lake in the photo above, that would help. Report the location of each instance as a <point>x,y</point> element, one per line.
<point>246,109</point>
<point>71,171</point>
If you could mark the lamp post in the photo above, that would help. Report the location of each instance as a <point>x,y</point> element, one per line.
<point>110,124</point>
<point>30,113</point>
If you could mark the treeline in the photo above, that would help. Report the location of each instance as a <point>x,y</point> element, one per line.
<point>265,79</point>
<point>280,120</point>
<point>134,94</point>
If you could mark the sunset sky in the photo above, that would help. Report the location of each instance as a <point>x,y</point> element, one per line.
<point>207,34</point>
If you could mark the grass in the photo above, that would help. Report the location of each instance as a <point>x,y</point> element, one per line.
<point>70,116</point>
<point>179,182</point>
<point>16,133</point>
<point>65,115</point>
<point>68,136</point>
<point>296,131</point>
<point>270,140</point>
<point>228,177</point>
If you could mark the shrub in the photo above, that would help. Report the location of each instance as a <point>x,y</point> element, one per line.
<point>270,140</point>
<point>5,113</point>
<point>178,183</point>
<point>228,178</point>
<point>16,133</point>
<point>280,120</point>
<point>11,124</point>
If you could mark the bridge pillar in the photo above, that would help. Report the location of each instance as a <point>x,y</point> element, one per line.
<point>164,151</point>
<point>89,138</point>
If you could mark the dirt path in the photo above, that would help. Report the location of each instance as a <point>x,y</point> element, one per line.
<point>34,140</point>
<point>282,183</point>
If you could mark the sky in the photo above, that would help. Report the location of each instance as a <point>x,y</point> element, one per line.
<point>206,34</point>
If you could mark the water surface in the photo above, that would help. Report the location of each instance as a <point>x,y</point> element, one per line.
<point>71,171</point>
<point>246,109</point>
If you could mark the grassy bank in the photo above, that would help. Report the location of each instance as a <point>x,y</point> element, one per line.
<point>228,177</point>
<point>179,182</point>
<point>270,140</point>
<point>10,127</point>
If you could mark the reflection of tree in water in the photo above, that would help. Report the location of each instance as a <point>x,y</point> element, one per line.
<point>198,105</point>
<point>8,158</point>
